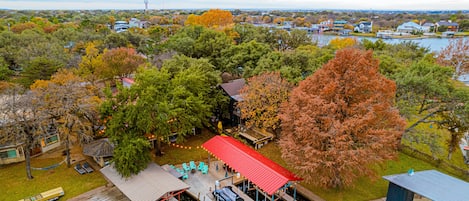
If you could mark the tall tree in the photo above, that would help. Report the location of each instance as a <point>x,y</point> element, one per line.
<point>262,97</point>
<point>340,120</point>
<point>72,103</point>
<point>120,62</point>
<point>213,18</point>
<point>20,121</point>
<point>456,54</point>
<point>173,99</point>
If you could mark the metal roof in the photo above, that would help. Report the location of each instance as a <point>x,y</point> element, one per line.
<point>149,185</point>
<point>265,173</point>
<point>232,88</point>
<point>432,184</point>
<point>99,148</point>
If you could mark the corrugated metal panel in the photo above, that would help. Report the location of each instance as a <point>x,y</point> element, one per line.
<point>432,184</point>
<point>149,185</point>
<point>266,174</point>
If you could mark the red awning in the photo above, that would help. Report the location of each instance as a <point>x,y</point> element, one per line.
<point>265,173</point>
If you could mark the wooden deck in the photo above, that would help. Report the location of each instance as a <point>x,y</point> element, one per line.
<point>202,185</point>
<point>257,137</point>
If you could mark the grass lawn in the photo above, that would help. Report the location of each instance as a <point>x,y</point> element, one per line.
<point>365,188</point>
<point>16,186</point>
<point>177,155</point>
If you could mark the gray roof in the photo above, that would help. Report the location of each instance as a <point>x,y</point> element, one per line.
<point>443,23</point>
<point>432,184</point>
<point>99,148</point>
<point>232,88</point>
<point>149,185</point>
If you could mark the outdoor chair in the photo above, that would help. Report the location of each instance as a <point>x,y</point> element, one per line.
<point>192,165</point>
<point>183,173</point>
<point>205,169</point>
<point>79,169</point>
<point>87,167</point>
<point>185,167</point>
<point>172,166</point>
<point>180,171</point>
<point>185,176</point>
<point>201,166</point>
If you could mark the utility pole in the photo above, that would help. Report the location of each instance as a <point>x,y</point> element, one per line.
<point>146,5</point>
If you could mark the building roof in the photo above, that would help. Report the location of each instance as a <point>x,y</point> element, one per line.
<point>232,88</point>
<point>444,23</point>
<point>99,148</point>
<point>432,184</point>
<point>149,185</point>
<point>129,81</point>
<point>265,173</point>
<point>408,25</point>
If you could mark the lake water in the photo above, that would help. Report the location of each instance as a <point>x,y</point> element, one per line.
<point>434,44</point>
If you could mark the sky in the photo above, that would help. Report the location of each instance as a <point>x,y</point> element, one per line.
<point>237,4</point>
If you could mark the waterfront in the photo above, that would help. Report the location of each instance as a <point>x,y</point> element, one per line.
<point>434,44</point>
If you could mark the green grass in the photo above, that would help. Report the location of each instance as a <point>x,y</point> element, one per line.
<point>176,155</point>
<point>364,188</point>
<point>15,185</point>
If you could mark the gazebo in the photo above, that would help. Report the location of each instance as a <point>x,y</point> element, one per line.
<point>267,175</point>
<point>101,150</point>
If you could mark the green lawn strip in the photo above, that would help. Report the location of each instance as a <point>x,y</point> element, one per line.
<point>16,186</point>
<point>364,188</point>
<point>457,157</point>
<point>177,155</point>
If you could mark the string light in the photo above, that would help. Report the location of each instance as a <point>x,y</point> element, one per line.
<point>185,147</point>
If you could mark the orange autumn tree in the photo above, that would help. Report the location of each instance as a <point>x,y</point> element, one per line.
<point>212,19</point>
<point>341,120</point>
<point>119,62</point>
<point>262,96</point>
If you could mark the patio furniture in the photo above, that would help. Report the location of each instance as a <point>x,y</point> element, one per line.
<point>201,166</point>
<point>79,169</point>
<point>192,165</point>
<point>185,167</point>
<point>87,167</point>
<point>205,169</point>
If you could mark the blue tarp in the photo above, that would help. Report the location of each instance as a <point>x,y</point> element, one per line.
<point>432,184</point>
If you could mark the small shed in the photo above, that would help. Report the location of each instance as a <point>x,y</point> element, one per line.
<point>232,89</point>
<point>153,183</point>
<point>431,184</point>
<point>11,153</point>
<point>101,150</point>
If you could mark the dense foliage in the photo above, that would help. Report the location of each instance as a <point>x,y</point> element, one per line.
<point>340,120</point>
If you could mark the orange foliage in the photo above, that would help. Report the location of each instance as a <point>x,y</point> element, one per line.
<point>18,28</point>
<point>341,120</point>
<point>262,96</point>
<point>212,19</point>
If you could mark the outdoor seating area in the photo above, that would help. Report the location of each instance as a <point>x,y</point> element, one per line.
<point>83,168</point>
<point>191,168</point>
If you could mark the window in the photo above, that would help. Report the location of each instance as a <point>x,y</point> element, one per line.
<point>8,154</point>
<point>51,140</point>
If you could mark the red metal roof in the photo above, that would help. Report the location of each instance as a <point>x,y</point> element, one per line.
<point>265,173</point>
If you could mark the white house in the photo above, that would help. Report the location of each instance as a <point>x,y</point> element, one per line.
<point>364,27</point>
<point>428,26</point>
<point>409,27</point>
